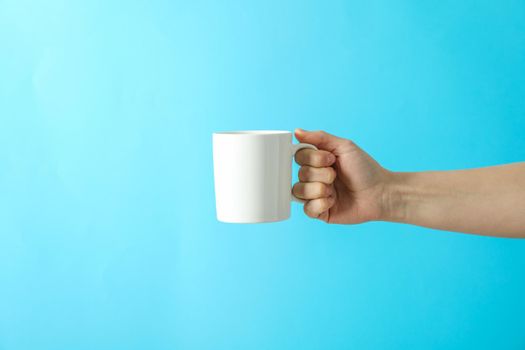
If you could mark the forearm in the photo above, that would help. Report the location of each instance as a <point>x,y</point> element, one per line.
<point>487,201</point>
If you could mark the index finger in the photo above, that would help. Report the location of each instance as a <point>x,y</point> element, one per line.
<point>315,158</point>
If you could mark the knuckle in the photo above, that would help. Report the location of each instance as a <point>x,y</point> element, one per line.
<point>331,174</point>
<point>349,143</point>
<point>304,173</point>
<point>318,158</point>
<point>320,189</point>
<point>309,211</point>
<point>327,203</point>
<point>321,204</point>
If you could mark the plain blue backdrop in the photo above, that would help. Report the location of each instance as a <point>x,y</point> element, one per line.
<point>108,236</point>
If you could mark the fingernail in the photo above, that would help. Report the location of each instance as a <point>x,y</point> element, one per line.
<point>331,158</point>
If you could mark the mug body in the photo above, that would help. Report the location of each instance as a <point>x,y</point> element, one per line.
<point>253,175</point>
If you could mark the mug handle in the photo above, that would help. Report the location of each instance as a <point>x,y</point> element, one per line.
<point>296,148</point>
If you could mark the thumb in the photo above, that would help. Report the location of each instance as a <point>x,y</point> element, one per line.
<point>321,140</point>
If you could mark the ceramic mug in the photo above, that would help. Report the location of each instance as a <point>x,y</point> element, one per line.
<point>253,175</point>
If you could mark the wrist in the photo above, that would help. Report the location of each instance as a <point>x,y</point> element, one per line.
<point>395,201</point>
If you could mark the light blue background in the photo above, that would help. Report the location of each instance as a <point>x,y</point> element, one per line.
<point>108,237</point>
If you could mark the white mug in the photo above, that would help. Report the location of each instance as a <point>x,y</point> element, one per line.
<point>253,175</point>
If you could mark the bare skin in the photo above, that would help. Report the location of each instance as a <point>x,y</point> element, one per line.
<point>342,184</point>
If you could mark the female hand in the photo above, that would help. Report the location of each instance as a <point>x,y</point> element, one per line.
<point>341,183</point>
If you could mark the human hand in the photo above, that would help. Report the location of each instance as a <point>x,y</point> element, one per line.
<point>340,182</point>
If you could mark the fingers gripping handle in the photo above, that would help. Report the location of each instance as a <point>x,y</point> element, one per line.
<point>296,148</point>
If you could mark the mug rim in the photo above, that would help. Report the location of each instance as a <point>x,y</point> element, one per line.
<point>253,132</point>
